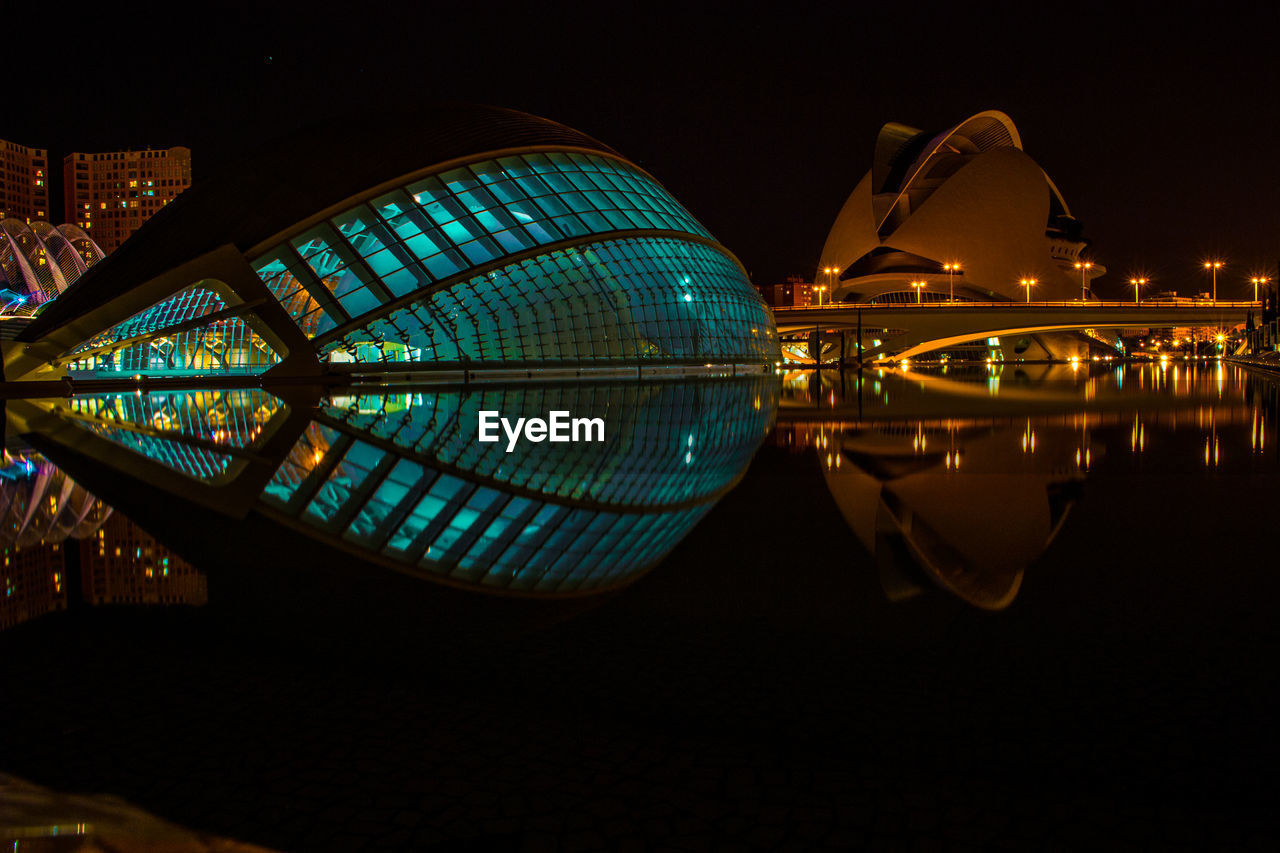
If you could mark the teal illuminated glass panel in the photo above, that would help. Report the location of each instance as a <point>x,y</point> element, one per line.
<point>467,522</point>
<point>202,463</point>
<point>187,304</point>
<point>344,481</point>
<point>307,454</point>
<point>159,341</point>
<point>295,286</point>
<point>436,509</point>
<point>333,263</point>
<point>437,227</point>
<point>664,443</point>
<point>401,476</point>
<point>191,432</point>
<point>391,493</point>
<point>646,299</point>
<point>232,417</point>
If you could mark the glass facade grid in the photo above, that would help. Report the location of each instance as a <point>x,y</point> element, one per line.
<point>295,286</point>
<point>664,443</point>
<point>634,298</point>
<point>391,492</point>
<point>346,478</point>
<point>186,304</point>
<point>160,425</point>
<point>234,417</point>
<point>479,535</point>
<point>676,443</point>
<point>198,462</point>
<point>308,452</point>
<point>223,346</point>
<point>650,298</point>
<point>443,523</point>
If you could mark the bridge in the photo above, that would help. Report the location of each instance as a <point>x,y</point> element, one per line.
<point>929,326</point>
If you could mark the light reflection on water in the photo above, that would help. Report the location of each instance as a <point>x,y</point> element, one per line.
<point>1080,504</point>
<point>398,477</point>
<point>64,547</point>
<point>951,478</point>
<point>961,478</point>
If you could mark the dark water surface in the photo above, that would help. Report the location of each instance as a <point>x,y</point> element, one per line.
<point>992,606</point>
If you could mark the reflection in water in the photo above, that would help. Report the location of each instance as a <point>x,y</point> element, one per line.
<point>215,423</point>
<point>400,478</point>
<point>62,546</point>
<point>952,479</point>
<point>34,819</point>
<point>953,502</point>
<point>38,503</point>
<point>123,564</point>
<point>403,477</point>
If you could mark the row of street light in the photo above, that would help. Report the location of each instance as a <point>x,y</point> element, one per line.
<point>1257,280</point>
<point>1138,284</point>
<point>953,267</point>
<point>1213,267</point>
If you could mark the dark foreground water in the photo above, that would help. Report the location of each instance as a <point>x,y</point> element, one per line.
<point>993,607</point>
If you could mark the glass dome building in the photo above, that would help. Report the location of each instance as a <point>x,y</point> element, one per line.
<point>463,237</point>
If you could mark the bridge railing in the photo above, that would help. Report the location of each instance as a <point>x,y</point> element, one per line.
<point>925,306</point>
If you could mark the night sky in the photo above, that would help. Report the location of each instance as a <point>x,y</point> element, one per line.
<point>1162,130</point>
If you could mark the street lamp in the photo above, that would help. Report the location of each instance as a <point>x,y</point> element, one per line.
<point>1028,283</point>
<point>1137,283</point>
<point>1214,266</point>
<point>918,285</point>
<point>1257,280</point>
<point>822,288</point>
<point>1084,267</point>
<point>951,269</point>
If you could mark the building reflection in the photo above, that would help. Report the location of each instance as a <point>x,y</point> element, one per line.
<point>951,505</point>
<point>34,583</point>
<point>957,483</point>
<point>36,819</point>
<point>397,477</point>
<point>64,546</point>
<point>40,504</point>
<point>947,484</point>
<point>123,564</point>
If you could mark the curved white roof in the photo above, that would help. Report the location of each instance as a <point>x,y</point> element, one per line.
<point>40,503</point>
<point>984,131</point>
<point>39,261</point>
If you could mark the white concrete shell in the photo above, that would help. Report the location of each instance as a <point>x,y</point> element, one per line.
<point>39,261</point>
<point>39,503</point>
<point>968,195</point>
